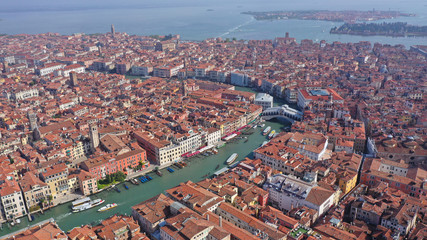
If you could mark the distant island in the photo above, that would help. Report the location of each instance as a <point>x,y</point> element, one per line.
<point>326,15</point>
<point>397,29</point>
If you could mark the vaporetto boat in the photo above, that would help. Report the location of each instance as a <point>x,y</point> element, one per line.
<point>232,158</point>
<point>89,205</point>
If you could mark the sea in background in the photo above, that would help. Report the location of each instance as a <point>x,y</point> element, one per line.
<point>197,19</point>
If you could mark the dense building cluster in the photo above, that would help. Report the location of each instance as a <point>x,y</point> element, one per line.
<point>352,166</point>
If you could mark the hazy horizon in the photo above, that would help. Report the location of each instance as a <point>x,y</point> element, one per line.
<point>50,5</point>
<point>191,20</point>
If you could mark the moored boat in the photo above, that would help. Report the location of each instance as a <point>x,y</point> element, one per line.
<point>271,135</point>
<point>80,201</point>
<point>266,130</point>
<point>143,179</point>
<point>232,158</point>
<point>134,181</point>
<point>263,143</point>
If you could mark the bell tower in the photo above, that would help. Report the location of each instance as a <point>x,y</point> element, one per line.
<point>94,137</point>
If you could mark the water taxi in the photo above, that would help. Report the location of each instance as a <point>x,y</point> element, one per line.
<point>159,173</point>
<point>134,181</point>
<point>271,135</point>
<point>107,207</point>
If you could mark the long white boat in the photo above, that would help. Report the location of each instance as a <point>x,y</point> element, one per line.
<point>232,158</point>
<point>230,137</point>
<point>107,207</point>
<point>89,205</point>
<point>80,201</point>
<point>266,130</point>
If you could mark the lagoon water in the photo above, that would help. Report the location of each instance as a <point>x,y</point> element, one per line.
<point>196,19</point>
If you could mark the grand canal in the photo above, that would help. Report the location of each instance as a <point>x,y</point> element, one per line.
<point>197,168</point>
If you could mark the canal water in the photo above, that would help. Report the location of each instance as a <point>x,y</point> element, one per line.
<point>197,168</point>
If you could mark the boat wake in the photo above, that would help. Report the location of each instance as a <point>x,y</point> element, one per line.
<point>60,217</point>
<point>236,28</point>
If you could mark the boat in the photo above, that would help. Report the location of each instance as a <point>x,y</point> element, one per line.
<point>134,181</point>
<point>271,135</point>
<point>177,165</point>
<point>88,205</point>
<point>117,189</point>
<point>170,170</point>
<point>206,175</point>
<point>254,127</point>
<point>217,166</point>
<point>80,201</point>
<point>126,187</point>
<point>229,137</point>
<point>232,158</point>
<point>266,130</point>
<point>148,177</point>
<point>215,151</point>
<point>159,173</point>
<point>263,125</point>
<point>107,207</point>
